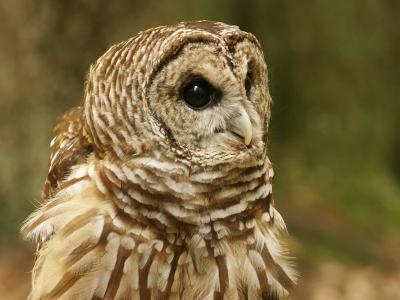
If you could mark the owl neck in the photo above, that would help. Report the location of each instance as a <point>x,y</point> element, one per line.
<point>171,196</point>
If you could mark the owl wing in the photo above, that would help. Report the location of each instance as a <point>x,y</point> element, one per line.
<point>68,148</point>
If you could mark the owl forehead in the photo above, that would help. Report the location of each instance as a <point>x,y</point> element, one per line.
<point>145,54</point>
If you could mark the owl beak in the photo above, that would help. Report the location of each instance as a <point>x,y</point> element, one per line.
<point>241,126</point>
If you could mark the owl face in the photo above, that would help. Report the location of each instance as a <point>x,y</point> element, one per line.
<point>205,95</point>
<point>209,98</point>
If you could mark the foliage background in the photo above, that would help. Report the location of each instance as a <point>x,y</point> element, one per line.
<point>334,73</point>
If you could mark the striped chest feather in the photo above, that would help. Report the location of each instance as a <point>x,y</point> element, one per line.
<point>105,236</point>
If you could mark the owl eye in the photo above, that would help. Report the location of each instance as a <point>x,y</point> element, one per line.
<point>198,94</point>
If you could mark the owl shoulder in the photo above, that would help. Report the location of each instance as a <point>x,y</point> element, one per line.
<point>68,148</point>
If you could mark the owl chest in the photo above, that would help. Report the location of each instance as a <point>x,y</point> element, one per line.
<point>93,250</point>
<point>153,271</point>
<point>120,267</point>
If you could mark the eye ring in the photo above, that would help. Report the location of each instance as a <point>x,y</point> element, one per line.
<point>198,94</point>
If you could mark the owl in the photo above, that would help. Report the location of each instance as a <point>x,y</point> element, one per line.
<point>159,185</point>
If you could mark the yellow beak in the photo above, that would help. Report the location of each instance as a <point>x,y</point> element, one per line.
<point>241,125</point>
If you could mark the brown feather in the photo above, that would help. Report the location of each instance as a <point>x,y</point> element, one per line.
<point>68,149</point>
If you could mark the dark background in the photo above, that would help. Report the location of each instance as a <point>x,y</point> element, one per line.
<point>334,76</point>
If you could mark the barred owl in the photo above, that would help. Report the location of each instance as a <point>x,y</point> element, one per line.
<point>159,185</point>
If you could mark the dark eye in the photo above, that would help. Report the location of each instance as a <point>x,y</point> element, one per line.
<point>248,82</point>
<point>198,94</point>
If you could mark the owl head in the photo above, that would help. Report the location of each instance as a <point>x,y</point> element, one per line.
<point>194,92</point>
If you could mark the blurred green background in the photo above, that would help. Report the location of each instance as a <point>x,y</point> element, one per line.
<point>334,72</point>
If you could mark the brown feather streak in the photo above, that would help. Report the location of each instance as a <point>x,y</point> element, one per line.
<point>67,281</point>
<point>78,222</point>
<point>144,291</point>
<point>116,275</point>
<point>275,269</point>
<point>223,277</point>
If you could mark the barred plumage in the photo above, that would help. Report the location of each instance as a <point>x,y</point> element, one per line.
<point>148,198</point>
